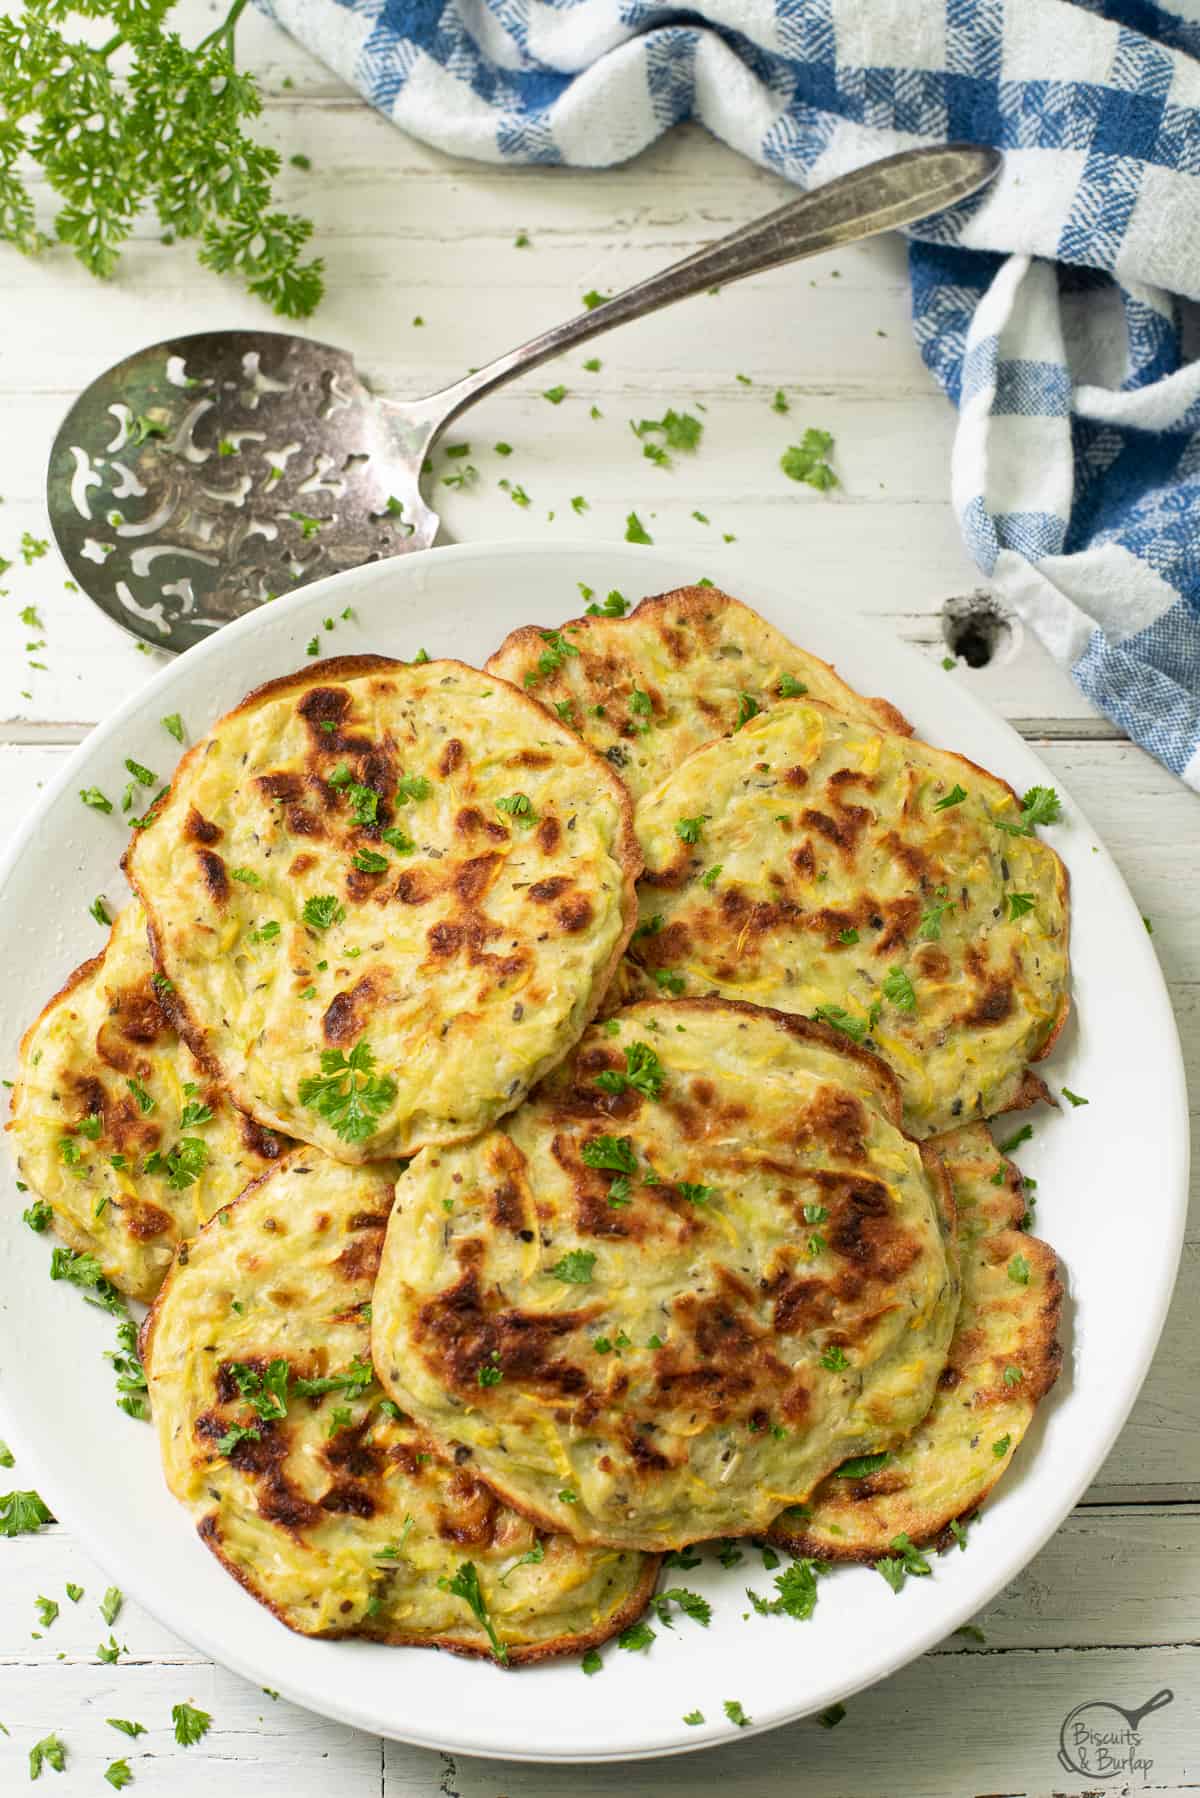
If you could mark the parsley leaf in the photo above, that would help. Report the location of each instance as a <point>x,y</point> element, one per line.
<point>614,1153</point>
<point>21,1513</point>
<point>190,1724</point>
<point>1073,1099</point>
<point>1018,1271</point>
<point>348,1092</point>
<point>637,1638</point>
<point>735,1713</point>
<point>635,530</point>
<point>905,1563</point>
<point>173,725</point>
<point>575,1267</point>
<point>899,989</point>
<point>806,461</point>
<point>322,910</point>
<point>955,796</point>
<point>117,1774</point>
<point>614,605</point>
<point>690,1603</point>
<point>1041,805</point>
<point>643,1073</point>
<point>465,1585</point>
<point>591,1662</point>
<point>688,830</point>
<point>860,1467</point>
<point>796,1587</point>
<point>1018,905</point>
<point>50,1752</point>
<point>790,688</point>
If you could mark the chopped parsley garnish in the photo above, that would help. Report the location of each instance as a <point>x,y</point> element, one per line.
<point>905,1563</point>
<point>1013,1376</point>
<point>1018,1271</point>
<point>861,1467</point>
<point>790,688</point>
<point>85,1272</point>
<point>643,1073</point>
<point>98,910</point>
<point>322,910</point>
<point>690,1603</point>
<point>533,1557</point>
<point>95,798</point>
<point>668,981</point>
<point>365,802</point>
<point>141,774</point>
<point>21,1513</point>
<point>1001,1447</point>
<point>369,861</point>
<point>711,875</point>
<point>748,707</point>
<point>614,1153</point>
<point>489,1374</point>
<point>518,806</point>
<point>635,530</point>
<point>465,1585</point>
<point>831,1716</point>
<point>47,1610</point>
<point>591,1662</point>
<point>354,1381</point>
<point>38,1216</point>
<point>955,796</point>
<point>834,1359</point>
<point>412,787</point>
<point>637,1638</point>
<point>694,1193</point>
<point>614,605</point>
<point>348,1092</point>
<point>1016,1139</point>
<point>247,876</point>
<point>592,299</point>
<point>575,1267</point>
<point>109,1653</point>
<point>117,1774</point>
<point>186,1162</point>
<point>556,395</point>
<point>126,1727</point>
<point>50,1752</point>
<point>399,840</point>
<point>73,1592</point>
<point>840,1019</point>
<point>1041,805</point>
<point>1073,1098</point>
<point>688,830</point>
<point>7,1458</point>
<point>190,1724</point>
<point>958,1529</point>
<point>1018,905</point>
<point>195,1113</point>
<point>930,928</point>
<point>173,725</point>
<point>807,460</point>
<point>796,1587</point>
<point>848,936</point>
<point>735,1713</point>
<point>693,1717</point>
<point>898,988</point>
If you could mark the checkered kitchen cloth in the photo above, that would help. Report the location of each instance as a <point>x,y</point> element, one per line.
<point>1051,309</point>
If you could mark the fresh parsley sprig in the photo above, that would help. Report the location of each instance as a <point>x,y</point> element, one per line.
<point>167,133</point>
<point>348,1092</point>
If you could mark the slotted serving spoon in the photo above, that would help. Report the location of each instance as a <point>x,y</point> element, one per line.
<point>201,477</point>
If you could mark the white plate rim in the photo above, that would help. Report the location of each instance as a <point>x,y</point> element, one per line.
<point>504,559</point>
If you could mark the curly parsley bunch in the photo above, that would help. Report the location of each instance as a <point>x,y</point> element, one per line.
<point>165,129</point>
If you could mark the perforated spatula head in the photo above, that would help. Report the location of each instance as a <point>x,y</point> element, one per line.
<point>201,477</point>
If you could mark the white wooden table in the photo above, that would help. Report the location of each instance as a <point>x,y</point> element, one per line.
<point>1110,1609</point>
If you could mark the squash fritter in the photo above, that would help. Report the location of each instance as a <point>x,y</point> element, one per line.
<point>326,1504</point>
<point>388,897</point>
<point>117,1127</point>
<point>694,1272</point>
<point>1004,1357</point>
<point>683,668</point>
<point>814,863</point>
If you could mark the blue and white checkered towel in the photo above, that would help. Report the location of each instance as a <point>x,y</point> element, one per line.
<point>1051,309</point>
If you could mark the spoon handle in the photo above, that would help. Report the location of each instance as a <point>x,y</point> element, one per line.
<point>880,197</point>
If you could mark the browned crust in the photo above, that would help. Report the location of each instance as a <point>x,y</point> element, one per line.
<point>626,848</point>
<point>1045,1357</point>
<point>149,1322</point>
<point>689,601</point>
<point>518,1656</point>
<point>75,978</point>
<point>807,1029</point>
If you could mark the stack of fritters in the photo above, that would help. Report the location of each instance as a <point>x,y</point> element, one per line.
<point>474,1303</point>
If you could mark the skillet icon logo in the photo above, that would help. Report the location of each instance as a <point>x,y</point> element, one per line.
<point>1103,1739</point>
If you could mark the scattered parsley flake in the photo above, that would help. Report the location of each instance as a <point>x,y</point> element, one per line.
<point>807,461</point>
<point>591,1662</point>
<point>635,530</point>
<point>574,1268</point>
<point>1018,1271</point>
<point>735,1713</point>
<point>465,1585</point>
<point>348,1092</point>
<point>1073,1099</point>
<point>190,1724</point>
